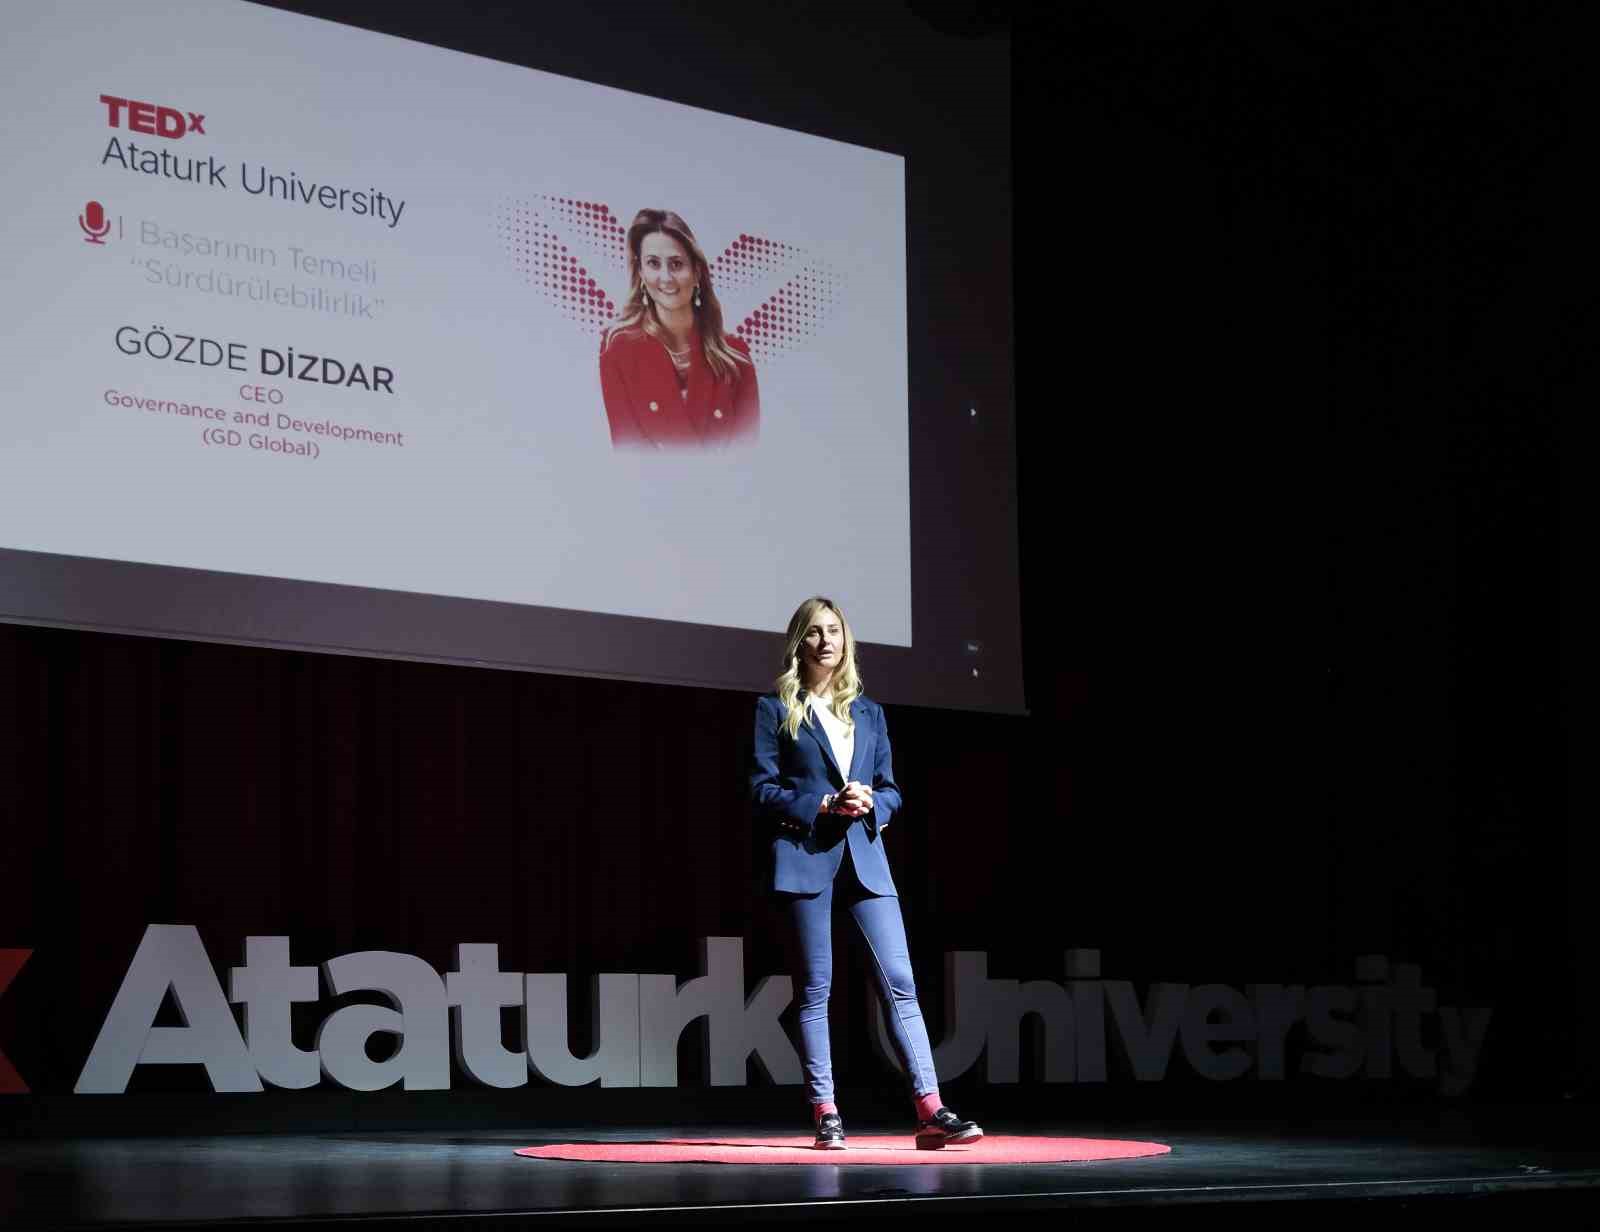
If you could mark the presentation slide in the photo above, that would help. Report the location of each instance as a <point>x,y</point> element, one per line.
<point>299,301</point>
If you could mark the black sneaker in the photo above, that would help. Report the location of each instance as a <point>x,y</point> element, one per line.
<point>944,1127</point>
<point>830,1132</point>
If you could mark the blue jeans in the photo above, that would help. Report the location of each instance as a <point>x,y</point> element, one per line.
<point>878,917</point>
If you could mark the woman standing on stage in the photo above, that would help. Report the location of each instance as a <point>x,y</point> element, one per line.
<point>823,782</point>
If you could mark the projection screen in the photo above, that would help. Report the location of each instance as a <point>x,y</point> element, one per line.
<point>325,339</point>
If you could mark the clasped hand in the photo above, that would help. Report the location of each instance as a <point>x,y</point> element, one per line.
<point>854,800</point>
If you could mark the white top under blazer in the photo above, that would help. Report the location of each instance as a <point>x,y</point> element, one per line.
<point>841,739</point>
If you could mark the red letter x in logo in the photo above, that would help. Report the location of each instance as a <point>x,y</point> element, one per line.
<point>10,963</point>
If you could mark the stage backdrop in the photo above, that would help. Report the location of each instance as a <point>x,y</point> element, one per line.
<point>1297,708</point>
<point>287,877</point>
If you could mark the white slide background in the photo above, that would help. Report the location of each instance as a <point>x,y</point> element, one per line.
<point>507,487</point>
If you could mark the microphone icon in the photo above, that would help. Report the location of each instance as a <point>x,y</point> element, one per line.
<point>94,222</point>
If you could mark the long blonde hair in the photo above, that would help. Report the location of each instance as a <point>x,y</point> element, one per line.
<point>790,685</point>
<point>638,313</point>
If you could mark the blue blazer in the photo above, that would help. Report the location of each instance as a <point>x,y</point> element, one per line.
<point>788,779</point>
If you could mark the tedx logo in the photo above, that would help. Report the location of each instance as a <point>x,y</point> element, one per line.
<point>151,118</point>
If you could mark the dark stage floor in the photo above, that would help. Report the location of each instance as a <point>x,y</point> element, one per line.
<point>1525,1165</point>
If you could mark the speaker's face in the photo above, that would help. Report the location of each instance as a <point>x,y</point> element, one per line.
<point>667,271</point>
<point>822,648</point>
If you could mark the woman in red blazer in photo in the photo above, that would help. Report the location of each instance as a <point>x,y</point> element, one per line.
<point>670,376</point>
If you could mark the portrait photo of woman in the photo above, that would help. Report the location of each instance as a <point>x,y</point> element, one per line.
<point>671,376</point>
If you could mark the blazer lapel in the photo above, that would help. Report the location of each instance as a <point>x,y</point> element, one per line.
<point>858,712</point>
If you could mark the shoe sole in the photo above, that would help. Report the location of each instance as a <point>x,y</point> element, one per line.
<point>827,1146</point>
<point>934,1142</point>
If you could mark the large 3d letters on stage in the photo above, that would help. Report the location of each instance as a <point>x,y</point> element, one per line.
<point>416,1013</point>
<point>170,957</point>
<point>1063,1030</point>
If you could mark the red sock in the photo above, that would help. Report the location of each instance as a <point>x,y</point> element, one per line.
<point>927,1105</point>
<point>818,1111</point>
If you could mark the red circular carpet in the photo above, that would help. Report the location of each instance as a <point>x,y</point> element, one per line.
<point>863,1149</point>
